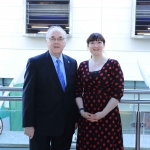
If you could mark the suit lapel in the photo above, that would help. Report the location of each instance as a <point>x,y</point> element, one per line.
<point>51,69</point>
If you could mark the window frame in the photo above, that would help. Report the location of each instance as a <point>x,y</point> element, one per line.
<point>44,34</point>
<point>133,23</point>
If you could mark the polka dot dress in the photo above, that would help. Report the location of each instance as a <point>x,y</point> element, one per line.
<point>96,89</point>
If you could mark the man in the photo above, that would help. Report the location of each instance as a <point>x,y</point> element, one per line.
<point>49,109</point>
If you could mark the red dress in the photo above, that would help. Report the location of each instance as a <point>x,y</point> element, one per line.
<point>96,89</point>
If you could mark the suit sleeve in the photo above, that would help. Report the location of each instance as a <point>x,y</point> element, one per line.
<point>28,97</point>
<point>118,81</point>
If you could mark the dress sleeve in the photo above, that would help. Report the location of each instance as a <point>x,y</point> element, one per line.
<point>79,86</point>
<point>118,81</point>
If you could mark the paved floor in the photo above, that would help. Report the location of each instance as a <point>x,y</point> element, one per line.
<point>16,140</point>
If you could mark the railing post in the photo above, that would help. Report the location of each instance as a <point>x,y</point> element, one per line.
<point>138,125</point>
<point>137,138</point>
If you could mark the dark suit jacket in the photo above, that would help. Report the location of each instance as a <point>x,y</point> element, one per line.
<point>45,106</point>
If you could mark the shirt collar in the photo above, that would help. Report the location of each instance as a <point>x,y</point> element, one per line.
<point>54,58</point>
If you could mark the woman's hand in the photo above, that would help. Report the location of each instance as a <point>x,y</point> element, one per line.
<point>99,115</point>
<point>87,116</point>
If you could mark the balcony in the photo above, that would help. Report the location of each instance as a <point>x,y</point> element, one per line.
<point>134,109</point>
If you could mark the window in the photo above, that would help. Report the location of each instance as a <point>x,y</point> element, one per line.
<point>41,14</point>
<point>141,19</point>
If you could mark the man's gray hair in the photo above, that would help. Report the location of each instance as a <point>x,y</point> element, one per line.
<point>55,28</point>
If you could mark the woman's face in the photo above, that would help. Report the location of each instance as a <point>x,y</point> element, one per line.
<point>96,47</point>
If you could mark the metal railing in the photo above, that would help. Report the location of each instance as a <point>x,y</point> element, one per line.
<point>138,101</point>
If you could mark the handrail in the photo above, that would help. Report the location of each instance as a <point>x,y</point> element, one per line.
<point>126,91</point>
<point>135,101</point>
<point>11,88</point>
<point>19,98</point>
<point>10,98</point>
<point>125,101</point>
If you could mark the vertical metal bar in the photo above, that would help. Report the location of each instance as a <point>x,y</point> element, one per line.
<point>138,104</point>
<point>137,142</point>
<point>134,105</point>
<point>3,85</point>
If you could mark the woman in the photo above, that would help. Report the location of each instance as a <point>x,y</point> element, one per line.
<point>100,86</point>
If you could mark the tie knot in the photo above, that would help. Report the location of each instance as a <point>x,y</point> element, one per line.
<point>58,61</point>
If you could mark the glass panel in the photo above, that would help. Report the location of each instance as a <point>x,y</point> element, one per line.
<point>128,117</point>
<point>144,107</point>
<point>12,134</point>
<point>11,114</point>
<point>129,96</point>
<point>0,81</point>
<point>1,92</point>
<point>145,96</point>
<point>135,96</point>
<point>128,107</point>
<point>129,84</point>
<point>142,96</point>
<point>7,81</point>
<point>141,85</point>
<point>135,85</point>
<point>145,131</point>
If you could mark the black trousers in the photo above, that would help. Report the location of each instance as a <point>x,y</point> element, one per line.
<point>40,142</point>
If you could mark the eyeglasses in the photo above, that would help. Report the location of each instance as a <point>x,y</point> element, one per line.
<point>60,39</point>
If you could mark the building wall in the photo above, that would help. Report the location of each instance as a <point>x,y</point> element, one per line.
<point>111,18</point>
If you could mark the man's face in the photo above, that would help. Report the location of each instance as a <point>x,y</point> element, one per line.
<point>56,42</point>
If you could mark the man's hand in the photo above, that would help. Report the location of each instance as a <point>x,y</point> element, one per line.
<point>29,131</point>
